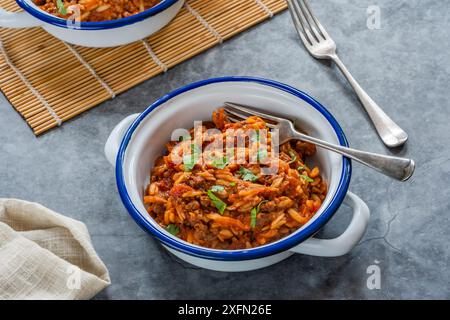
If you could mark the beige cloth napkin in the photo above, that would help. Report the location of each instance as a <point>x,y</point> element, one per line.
<point>44,255</point>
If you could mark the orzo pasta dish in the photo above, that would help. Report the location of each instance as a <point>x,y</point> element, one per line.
<point>213,200</point>
<point>95,10</point>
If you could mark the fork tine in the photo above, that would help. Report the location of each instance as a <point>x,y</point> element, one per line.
<point>235,113</point>
<point>322,30</point>
<point>233,118</point>
<point>238,110</point>
<point>311,21</point>
<point>299,23</point>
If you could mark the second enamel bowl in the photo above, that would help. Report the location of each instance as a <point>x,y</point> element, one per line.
<point>93,34</point>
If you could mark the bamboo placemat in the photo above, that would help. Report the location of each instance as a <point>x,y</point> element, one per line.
<point>49,82</point>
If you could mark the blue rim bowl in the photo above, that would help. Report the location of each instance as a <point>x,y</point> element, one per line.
<point>100,25</point>
<point>244,254</point>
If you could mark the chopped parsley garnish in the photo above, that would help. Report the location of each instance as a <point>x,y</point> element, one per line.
<point>293,156</point>
<point>189,160</point>
<point>184,138</point>
<point>220,163</point>
<point>217,188</point>
<point>262,154</point>
<point>61,8</point>
<point>173,229</point>
<point>232,184</point>
<point>219,204</point>
<point>306,178</point>
<point>255,137</point>
<point>254,212</point>
<point>247,175</point>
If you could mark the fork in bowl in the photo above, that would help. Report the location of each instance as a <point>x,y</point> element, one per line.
<point>394,167</point>
<point>321,46</point>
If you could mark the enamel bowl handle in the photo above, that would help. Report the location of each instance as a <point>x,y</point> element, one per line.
<point>17,20</point>
<point>115,138</point>
<point>346,241</point>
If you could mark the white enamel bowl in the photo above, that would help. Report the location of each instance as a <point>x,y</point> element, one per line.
<point>139,139</point>
<point>93,34</point>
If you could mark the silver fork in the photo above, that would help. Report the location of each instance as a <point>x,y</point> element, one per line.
<point>320,45</point>
<point>395,167</point>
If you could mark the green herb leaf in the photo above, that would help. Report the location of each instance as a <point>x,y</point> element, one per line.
<point>184,138</point>
<point>219,204</point>
<point>255,137</point>
<point>189,160</point>
<point>262,154</point>
<point>306,178</point>
<point>253,215</point>
<point>300,168</point>
<point>293,156</point>
<point>247,175</point>
<point>61,8</point>
<point>217,188</point>
<point>173,229</point>
<point>254,212</point>
<point>220,163</point>
<point>232,184</point>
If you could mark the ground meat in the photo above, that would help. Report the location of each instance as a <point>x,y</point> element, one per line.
<point>230,205</point>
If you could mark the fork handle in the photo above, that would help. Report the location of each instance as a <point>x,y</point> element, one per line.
<point>395,167</point>
<point>391,134</point>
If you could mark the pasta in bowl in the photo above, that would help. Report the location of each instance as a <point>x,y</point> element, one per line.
<point>95,10</point>
<point>222,203</point>
<point>137,146</point>
<point>94,23</point>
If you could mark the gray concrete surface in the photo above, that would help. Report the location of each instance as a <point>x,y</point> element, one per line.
<point>404,66</point>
